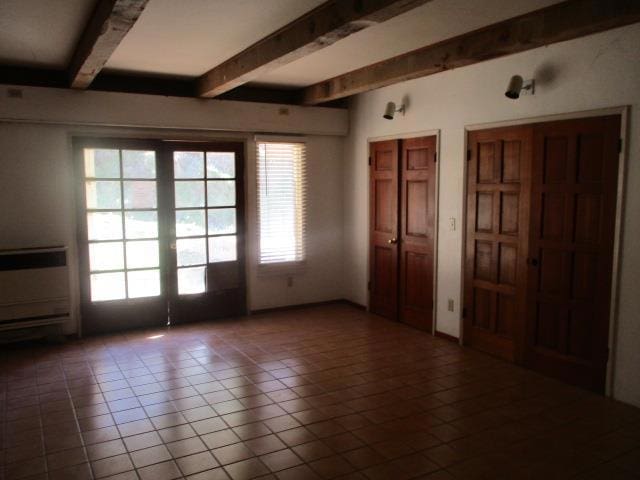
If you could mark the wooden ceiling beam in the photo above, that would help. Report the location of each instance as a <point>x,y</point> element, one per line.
<point>319,28</point>
<point>557,23</point>
<point>110,22</point>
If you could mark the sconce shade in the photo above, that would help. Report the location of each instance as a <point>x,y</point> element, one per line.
<point>390,111</point>
<point>514,88</point>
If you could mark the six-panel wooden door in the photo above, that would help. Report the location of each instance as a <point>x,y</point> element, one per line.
<point>402,188</point>
<point>496,240</point>
<point>417,207</point>
<point>384,229</point>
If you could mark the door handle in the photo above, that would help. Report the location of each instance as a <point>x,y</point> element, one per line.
<point>533,262</point>
<point>172,246</point>
<point>393,240</point>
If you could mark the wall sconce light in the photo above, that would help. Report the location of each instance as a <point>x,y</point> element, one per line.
<point>391,110</point>
<point>518,86</point>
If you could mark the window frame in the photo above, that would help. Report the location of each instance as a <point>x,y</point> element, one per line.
<point>227,298</point>
<point>206,208</point>
<point>83,210</point>
<point>293,266</point>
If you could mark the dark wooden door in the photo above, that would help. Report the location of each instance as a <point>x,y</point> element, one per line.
<point>384,228</point>
<point>575,168</point>
<point>206,231</point>
<point>417,208</point>
<point>496,240</point>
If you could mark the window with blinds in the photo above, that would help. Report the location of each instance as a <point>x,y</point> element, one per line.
<point>281,173</point>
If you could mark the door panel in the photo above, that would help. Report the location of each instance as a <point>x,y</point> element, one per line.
<point>575,167</point>
<point>122,284</point>
<point>417,209</point>
<point>384,218</point>
<point>207,231</point>
<point>384,229</point>
<point>496,240</point>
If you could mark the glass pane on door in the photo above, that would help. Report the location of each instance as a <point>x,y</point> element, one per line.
<point>205,215</point>
<point>122,223</point>
<point>190,223</point>
<point>191,280</point>
<point>221,165</point>
<point>141,224</point>
<point>103,195</point>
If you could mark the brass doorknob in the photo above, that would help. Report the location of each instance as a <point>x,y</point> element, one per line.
<point>392,241</point>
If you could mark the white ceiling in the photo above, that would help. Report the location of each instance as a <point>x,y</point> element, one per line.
<point>188,37</point>
<point>41,33</point>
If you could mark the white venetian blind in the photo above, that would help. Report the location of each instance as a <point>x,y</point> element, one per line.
<point>281,201</point>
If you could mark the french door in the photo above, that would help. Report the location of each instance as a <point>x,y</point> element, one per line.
<point>206,258</point>
<point>160,232</point>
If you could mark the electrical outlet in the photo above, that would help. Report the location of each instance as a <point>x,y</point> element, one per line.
<point>450,305</point>
<point>452,224</point>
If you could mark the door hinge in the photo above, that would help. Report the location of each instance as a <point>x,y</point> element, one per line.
<point>468,154</point>
<point>620,145</point>
<point>435,156</point>
<point>369,286</point>
<point>369,161</point>
<point>464,312</point>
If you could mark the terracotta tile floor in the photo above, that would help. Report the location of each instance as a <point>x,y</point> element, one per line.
<point>325,392</point>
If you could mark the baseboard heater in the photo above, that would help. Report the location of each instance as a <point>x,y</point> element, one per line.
<point>34,288</point>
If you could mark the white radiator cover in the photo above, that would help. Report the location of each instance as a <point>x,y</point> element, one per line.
<point>31,294</point>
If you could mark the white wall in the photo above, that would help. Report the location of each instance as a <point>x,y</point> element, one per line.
<point>82,107</point>
<point>590,73</point>
<point>321,277</point>
<point>37,196</point>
